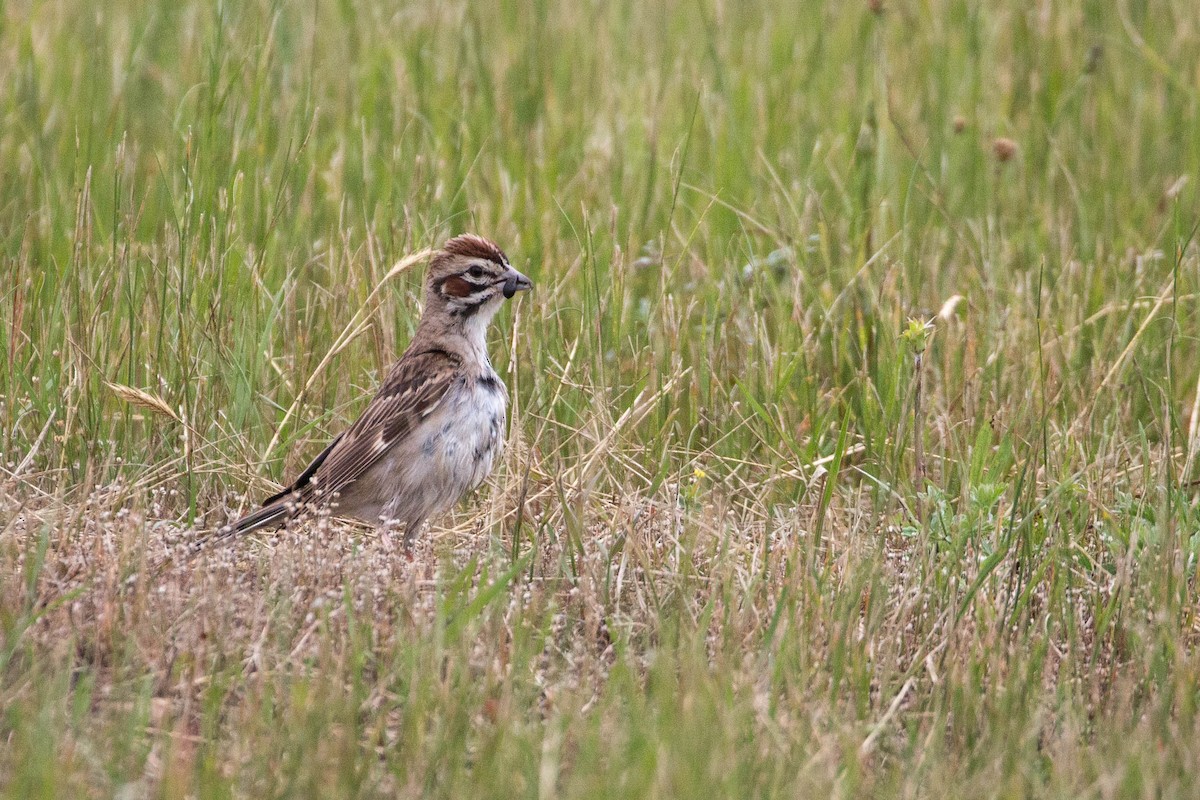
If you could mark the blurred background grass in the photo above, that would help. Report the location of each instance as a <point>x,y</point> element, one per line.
<point>730,212</point>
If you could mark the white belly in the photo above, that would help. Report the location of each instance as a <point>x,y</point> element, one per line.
<point>469,440</point>
<point>449,454</point>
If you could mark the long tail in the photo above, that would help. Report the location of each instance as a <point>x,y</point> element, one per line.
<point>277,511</point>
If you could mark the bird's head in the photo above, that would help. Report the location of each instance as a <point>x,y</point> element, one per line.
<point>470,277</point>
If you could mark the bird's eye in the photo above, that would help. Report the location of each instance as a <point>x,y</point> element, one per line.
<point>475,271</point>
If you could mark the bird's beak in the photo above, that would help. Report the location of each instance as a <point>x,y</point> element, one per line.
<point>515,282</point>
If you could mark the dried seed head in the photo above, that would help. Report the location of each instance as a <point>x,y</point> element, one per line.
<point>960,123</point>
<point>142,398</point>
<point>1004,149</point>
<point>949,307</point>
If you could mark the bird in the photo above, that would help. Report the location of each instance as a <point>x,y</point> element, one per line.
<point>435,428</point>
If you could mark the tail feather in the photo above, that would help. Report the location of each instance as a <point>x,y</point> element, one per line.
<point>276,512</point>
<point>278,508</point>
<point>273,514</point>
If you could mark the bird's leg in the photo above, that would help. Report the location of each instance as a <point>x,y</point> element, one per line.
<point>411,530</point>
<point>388,526</point>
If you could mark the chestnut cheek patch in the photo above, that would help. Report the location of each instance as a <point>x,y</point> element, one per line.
<point>457,287</point>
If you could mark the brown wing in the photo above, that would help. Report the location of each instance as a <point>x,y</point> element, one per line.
<point>414,387</point>
<point>306,476</point>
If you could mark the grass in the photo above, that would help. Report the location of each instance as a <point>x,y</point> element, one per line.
<point>757,534</point>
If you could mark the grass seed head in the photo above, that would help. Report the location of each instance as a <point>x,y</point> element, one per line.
<point>1003,149</point>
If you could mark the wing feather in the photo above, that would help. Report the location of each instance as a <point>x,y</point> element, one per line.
<point>303,479</point>
<point>413,389</point>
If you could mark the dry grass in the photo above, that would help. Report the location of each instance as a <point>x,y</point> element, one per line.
<point>854,439</point>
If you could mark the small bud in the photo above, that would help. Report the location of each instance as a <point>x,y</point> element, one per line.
<point>875,7</point>
<point>917,334</point>
<point>960,123</point>
<point>1004,149</point>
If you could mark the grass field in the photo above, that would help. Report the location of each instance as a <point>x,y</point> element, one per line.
<point>854,449</point>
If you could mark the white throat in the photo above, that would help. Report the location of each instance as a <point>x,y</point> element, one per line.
<point>475,327</point>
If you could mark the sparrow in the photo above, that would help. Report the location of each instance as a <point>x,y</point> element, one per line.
<point>435,428</point>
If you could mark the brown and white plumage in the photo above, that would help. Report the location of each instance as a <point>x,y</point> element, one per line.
<point>436,426</point>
